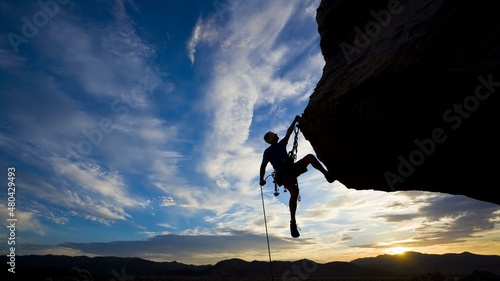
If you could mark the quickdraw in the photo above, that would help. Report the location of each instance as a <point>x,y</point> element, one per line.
<point>292,155</point>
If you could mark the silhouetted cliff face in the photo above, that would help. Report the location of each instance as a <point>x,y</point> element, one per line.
<point>408,96</point>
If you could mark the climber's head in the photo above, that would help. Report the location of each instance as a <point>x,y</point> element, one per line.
<point>271,137</point>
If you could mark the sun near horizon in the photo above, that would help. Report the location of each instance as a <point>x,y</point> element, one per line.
<point>398,250</point>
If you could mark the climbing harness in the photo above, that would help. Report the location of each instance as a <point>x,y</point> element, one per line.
<point>267,234</point>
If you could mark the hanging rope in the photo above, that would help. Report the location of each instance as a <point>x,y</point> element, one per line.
<point>267,234</point>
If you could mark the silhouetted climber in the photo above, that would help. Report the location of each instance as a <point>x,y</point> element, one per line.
<point>286,171</point>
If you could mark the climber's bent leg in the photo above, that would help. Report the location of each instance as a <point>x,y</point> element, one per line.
<point>311,159</point>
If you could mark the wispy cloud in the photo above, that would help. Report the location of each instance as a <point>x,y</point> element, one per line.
<point>205,31</point>
<point>195,40</point>
<point>439,220</point>
<point>247,62</point>
<point>84,130</point>
<point>107,62</point>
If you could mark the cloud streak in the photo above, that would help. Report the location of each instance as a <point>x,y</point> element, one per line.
<point>195,40</point>
<point>187,248</point>
<point>441,220</point>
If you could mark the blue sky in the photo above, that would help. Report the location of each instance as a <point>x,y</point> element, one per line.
<point>135,128</point>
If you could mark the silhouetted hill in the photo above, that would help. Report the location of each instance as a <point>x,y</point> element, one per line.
<point>103,268</point>
<point>418,263</point>
<point>410,264</point>
<point>284,269</point>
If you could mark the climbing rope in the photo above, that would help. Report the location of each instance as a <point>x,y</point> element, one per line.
<point>267,234</point>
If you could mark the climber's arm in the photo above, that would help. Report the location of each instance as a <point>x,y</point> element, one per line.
<point>262,173</point>
<point>290,129</point>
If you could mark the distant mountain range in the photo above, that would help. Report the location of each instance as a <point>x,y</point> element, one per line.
<point>418,263</point>
<point>410,264</point>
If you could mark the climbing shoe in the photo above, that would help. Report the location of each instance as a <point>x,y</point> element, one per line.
<point>330,177</point>
<point>293,229</point>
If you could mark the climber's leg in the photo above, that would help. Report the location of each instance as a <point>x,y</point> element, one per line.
<point>292,186</point>
<point>311,159</point>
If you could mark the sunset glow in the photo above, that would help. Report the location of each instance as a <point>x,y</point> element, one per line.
<point>397,250</point>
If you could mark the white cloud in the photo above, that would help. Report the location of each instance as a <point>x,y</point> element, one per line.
<point>203,31</point>
<point>84,190</point>
<point>26,222</point>
<point>154,130</point>
<point>94,179</point>
<point>195,40</point>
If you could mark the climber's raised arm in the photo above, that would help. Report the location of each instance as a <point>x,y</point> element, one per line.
<point>290,129</point>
